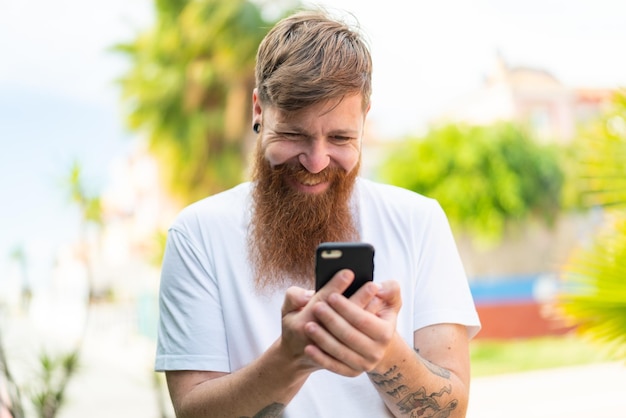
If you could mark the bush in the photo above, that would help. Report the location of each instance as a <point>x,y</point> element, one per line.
<point>483,176</point>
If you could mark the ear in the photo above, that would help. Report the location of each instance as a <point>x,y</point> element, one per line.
<point>257,109</point>
<point>365,113</point>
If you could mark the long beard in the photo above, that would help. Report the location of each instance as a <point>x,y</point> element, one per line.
<point>287,225</point>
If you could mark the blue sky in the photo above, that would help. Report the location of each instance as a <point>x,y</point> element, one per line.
<point>58,101</point>
<point>58,104</point>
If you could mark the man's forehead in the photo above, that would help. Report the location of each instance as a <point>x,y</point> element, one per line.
<point>320,108</point>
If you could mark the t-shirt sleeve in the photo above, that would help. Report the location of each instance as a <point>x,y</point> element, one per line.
<point>191,333</point>
<point>442,293</point>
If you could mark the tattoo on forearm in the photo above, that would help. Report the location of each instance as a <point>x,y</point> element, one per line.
<point>389,378</point>
<point>398,392</point>
<point>439,371</point>
<point>416,404</point>
<point>271,411</point>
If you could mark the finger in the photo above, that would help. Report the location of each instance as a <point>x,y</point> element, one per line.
<point>295,299</point>
<point>328,362</point>
<point>337,338</point>
<point>373,326</point>
<point>365,294</point>
<point>357,330</point>
<point>389,290</point>
<point>338,284</point>
<point>390,295</point>
<point>375,305</point>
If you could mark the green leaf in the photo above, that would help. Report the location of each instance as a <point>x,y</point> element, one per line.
<point>484,177</point>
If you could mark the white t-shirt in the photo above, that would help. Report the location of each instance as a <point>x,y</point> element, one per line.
<point>211,317</point>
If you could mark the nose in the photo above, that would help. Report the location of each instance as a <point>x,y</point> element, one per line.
<point>315,157</point>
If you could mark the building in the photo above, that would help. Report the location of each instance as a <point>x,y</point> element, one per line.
<point>533,97</point>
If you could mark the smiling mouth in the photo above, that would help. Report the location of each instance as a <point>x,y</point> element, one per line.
<point>310,183</point>
<point>311,180</point>
<point>303,180</point>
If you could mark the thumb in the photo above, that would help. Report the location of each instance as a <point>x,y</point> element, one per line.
<point>389,293</point>
<point>338,284</point>
<point>295,299</point>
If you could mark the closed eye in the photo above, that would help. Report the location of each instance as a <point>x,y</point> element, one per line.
<point>292,135</point>
<point>341,138</point>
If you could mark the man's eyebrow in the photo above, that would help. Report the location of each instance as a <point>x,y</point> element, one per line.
<point>288,126</point>
<point>344,132</point>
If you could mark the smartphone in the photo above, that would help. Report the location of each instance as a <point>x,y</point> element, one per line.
<point>330,257</point>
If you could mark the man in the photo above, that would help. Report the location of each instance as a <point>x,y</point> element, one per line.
<point>238,262</point>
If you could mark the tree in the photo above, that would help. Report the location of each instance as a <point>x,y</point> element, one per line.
<point>594,291</point>
<point>10,397</point>
<point>48,390</point>
<point>90,209</point>
<point>189,90</point>
<point>485,177</point>
<point>48,396</point>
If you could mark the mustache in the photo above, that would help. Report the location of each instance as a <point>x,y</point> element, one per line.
<point>302,175</point>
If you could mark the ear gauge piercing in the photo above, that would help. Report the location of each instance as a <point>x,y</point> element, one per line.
<point>256,127</point>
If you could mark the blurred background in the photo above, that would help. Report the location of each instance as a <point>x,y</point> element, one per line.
<point>115,115</point>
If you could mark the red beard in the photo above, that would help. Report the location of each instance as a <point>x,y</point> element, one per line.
<point>287,225</point>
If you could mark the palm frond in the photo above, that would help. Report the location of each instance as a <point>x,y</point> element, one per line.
<point>594,292</point>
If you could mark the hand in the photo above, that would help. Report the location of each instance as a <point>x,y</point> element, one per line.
<point>350,336</point>
<point>297,312</point>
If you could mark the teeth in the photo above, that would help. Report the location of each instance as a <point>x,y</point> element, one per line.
<point>310,180</point>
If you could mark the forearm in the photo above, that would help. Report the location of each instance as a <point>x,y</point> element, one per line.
<point>261,389</point>
<point>412,386</point>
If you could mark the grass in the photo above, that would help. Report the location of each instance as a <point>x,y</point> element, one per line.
<point>491,357</point>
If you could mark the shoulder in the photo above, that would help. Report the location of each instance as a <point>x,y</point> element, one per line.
<point>390,207</point>
<point>394,197</point>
